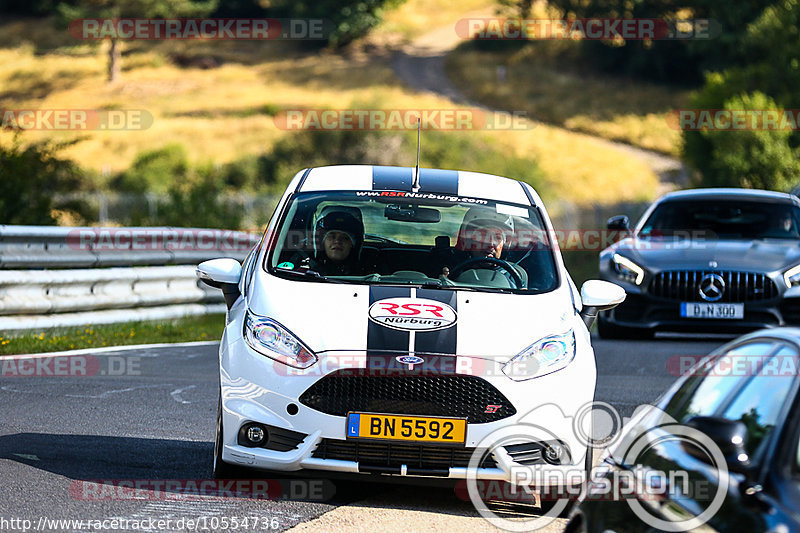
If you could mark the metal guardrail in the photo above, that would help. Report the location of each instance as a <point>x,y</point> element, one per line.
<point>56,276</point>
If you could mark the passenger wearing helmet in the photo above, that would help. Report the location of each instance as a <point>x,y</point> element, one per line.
<point>339,236</point>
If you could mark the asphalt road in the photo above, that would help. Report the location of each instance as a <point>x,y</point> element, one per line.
<point>149,415</point>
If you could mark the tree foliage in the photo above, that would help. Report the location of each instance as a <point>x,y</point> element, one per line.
<point>349,19</point>
<point>115,9</point>
<point>31,177</point>
<point>760,159</point>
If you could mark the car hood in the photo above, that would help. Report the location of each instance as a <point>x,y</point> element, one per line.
<point>762,255</point>
<point>332,316</point>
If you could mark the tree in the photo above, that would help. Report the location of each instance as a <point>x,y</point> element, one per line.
<point>31,177</point>
<point>115,9</point>
<point>753,158</point>
<point>350,19</point>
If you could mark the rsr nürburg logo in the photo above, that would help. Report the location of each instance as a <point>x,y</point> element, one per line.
<point>412,314</point>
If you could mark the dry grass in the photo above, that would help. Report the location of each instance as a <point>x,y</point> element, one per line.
<point>224,113</point>
<point>417,17</point>
<point>536,81</point>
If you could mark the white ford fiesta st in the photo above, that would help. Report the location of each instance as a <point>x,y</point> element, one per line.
<point>393,319</point>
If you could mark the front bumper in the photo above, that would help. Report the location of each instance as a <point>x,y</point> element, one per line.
<point>645,311</point>
<point>257,389</point>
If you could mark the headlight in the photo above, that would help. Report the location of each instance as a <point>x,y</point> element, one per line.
<point>543,357</point>
<point>792,276</point>
<point>627,269</point>
<point>269,338</point>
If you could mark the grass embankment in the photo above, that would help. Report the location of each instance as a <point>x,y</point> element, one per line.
<point>551,81</point>
<point>224,113</point>
<point>198,328</point>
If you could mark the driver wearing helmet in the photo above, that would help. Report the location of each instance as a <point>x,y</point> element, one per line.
<point>339,236</point>
<point>485,238</point>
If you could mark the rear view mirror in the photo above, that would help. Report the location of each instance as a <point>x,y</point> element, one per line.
<point>598,295</point>
<point>729,435</point>
<point>223,273</point>
<point>411,213</point>
<point>619,223</point>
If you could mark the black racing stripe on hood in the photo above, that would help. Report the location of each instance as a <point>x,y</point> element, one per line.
<point>444,340</point>
<point>384,344</point>
<point>392,178</point>
<point>438,180</point>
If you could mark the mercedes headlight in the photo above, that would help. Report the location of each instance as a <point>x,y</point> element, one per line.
<point>545,356</point>
<point>269,338</point>
<point>792,276</point>
<point>627,269</point>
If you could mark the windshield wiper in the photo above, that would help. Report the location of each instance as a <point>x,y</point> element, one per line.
<point>313,274</point>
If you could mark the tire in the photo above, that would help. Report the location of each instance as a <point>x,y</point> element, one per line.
<point>221,469</point>
<point>607,330</point>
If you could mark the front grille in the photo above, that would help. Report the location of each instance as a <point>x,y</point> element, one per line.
<point>394,455</point>
<point>404,393</point>
<point>684,285</point>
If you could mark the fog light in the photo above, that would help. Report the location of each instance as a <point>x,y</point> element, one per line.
<point>553,453</point>
<point>255,434</point>
<point>252,435</point>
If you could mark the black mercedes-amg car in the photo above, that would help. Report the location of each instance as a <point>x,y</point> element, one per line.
<point>706,260</point>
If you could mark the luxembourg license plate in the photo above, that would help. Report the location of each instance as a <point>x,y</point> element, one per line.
<point>406,428</point>
<point>708,310</point>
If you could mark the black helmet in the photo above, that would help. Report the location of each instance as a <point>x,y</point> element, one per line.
<point>344,222</point>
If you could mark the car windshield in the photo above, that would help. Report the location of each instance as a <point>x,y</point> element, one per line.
<point>438,241</point>
<point>723,219</point>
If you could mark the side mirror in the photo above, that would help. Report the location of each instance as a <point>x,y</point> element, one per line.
<point>596,296</point>
<point>619,223</point>
<point>222,274</point>
<point>729,435</point>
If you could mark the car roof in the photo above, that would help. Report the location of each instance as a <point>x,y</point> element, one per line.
<point>431,181</point>
<point>790,334</point>
<point>722,193</point>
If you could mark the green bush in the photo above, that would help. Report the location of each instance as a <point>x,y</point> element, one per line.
<point>762,159</point>
<point>438,150</point>
<point>155,170</point>
<point>197,202</point>
<point>29,179</point>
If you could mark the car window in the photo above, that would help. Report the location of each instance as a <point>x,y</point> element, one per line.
<point>704,394</point>
<point>385,237</point>
<point>760,402</point>
<point>724,219</point>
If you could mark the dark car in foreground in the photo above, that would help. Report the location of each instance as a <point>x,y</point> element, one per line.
<point>743,400</point>
<point>704,260</point>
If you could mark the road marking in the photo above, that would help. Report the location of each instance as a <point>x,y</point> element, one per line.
<point>87,351</point>
<point>176,394</point>
<point>28,457</point>
<point>116,391</point>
